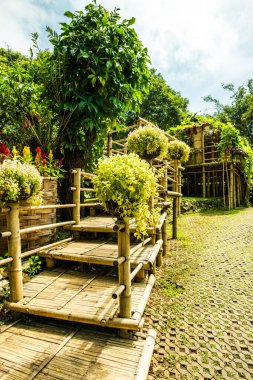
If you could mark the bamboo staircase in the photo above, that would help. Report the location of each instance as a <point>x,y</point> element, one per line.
<point>111,276</point>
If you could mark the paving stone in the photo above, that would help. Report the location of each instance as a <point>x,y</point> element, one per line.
<point>202,306</point>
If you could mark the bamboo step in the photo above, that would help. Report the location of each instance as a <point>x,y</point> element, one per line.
<point>81,297</point>
<point>102,253</point>
<point>100,224</point>
<point>55,350</point>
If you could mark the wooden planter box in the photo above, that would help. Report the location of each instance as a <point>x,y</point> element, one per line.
<point>29,218</point>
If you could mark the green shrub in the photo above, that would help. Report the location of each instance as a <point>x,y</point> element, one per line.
<point>148,142</point>
<point>126,183</point>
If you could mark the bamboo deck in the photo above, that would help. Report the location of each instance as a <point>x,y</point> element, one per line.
<point>99,224</point>
<point>80,297</point>
<point>56,350</point>
<point>100,252</point>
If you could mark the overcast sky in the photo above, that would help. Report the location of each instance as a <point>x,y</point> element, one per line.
<point>195,44</point>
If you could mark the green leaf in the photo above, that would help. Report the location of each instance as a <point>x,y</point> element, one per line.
<point>131,21</point>
<point>69,14</point>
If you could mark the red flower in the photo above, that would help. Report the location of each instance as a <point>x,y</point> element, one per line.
<point>38,151</point>
<point>44,155</point>
<point>4,150</point>
<point>44,162</point>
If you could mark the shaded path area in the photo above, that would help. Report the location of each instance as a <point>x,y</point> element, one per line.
<point>202,306</point>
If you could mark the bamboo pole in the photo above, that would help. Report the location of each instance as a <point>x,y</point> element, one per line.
<point>174,222</point>
<point>109,145</point>
<point>156,249</point>
<point>138,246</point>
<point>14,249</point>
<point>44,207</point>
<point>143,367</point>
<point>136,270</point>
<point>122,323</point>
<point>142,304</point>
<point>76,195</point>
<point>231,192</point>
<point>203,182</point>
<point>29,230</point>
<point>125,306</point>
<point>45,247</point>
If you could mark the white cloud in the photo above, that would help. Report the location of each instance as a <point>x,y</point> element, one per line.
<point>195,44</point>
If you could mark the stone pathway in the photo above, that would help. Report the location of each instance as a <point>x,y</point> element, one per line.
<point>202,306</point>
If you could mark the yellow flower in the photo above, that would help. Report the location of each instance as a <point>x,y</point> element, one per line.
<point>14,151</point>
<point>50,155</point>
<point>26,151</point>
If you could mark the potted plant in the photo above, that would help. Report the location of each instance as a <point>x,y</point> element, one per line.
<point>178,150</point>
<point>148,142</point>
<point>124,185</point>
<point>19,182</point>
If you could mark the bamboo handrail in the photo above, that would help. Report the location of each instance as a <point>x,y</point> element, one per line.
<point>6,261</point>
<point>87,189</point>
<point>5,234</point>
<point>143,367</point>
<point>156,249</point>
<point>119,261</point>
<point>118,143</point>
<point>141,307</point>
<point>171,179</point>
<point>4,209</point>
<point>163,217</point>
<point>90,204</point>
<point>45,247</point>
<point>29,230</point>
<point>44,207</point>
<point>136,270</point>
<point>88,175</point>
<point>118,292</point>
<point>142,244</point>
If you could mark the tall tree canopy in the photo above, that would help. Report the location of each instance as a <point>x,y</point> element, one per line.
<point>163,105</point>
<point>97,71</point>
<point>240,111</point>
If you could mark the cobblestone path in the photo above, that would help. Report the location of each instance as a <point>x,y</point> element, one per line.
<point>202,306</point>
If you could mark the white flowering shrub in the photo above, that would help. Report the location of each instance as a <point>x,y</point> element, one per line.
<point>148,141</point>
<point>19,182</point>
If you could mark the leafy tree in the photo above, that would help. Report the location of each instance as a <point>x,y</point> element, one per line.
<point>163,105</point>
<point>98,70</point>
<point>240,111</point>
<point>25,117</point>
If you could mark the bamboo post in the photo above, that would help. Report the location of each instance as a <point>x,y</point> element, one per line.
<point>76,195</point>
<point>164,226</point>
<point>203,182</point>
<point>125,307</point>
<point>109,145</point>
<point>231,192</point>
<point>175,215</point>
<point>14,249</point>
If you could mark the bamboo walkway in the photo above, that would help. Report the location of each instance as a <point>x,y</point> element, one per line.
<point>57,350</point>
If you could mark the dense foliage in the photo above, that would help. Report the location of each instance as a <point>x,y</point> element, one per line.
<point>19,182</point>
<point>126,184</point>
<point>240,111</point>
<point>25,115</point>
<point>148,141</point>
